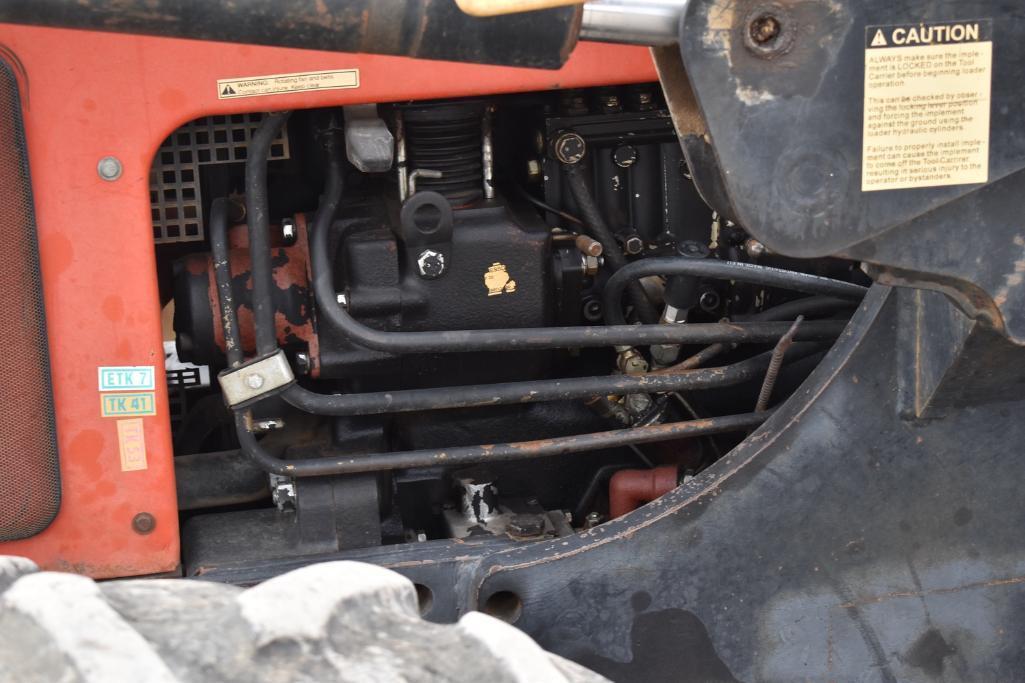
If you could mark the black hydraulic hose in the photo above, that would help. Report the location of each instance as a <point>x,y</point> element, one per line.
<point>258,213</point>
<point>613,254</point>
<point>222,274</point>
<point>723,270</point>
<point>462,456</point>
<point>513,393</point>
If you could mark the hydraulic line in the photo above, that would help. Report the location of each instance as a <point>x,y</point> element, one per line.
<point>723,270</point>
<point>614,257</point>
<point>514,393</point>
<point>222,274</point>
<point>258,213</point>
<point>334,464</point>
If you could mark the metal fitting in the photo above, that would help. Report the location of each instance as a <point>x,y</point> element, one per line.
<point>754,248</point>
<point>421,173</point>
<point>534,170</point>
<point>303,363</point>
<point>289,233</point>
<point>343,300</point>
<point>625,156</point>
<point>569,148</point>
<point>639,22</point>
<point>431,264</point>
<point>283,492</point>
<point>588,246</point>
<point>273,424</point>
<point>591,265</point>
<point>631,362</point>
<point>256,379</point>
<point>526,526</point>
<point>638,404</point>
<point>592,520</point>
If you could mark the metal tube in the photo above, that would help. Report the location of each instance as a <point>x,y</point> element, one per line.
<point>725,270</point>
<point>258,213</point>
<point>536,391</point>
<point>638,22</point>
<point>222,274</point>
<point>469,455</point>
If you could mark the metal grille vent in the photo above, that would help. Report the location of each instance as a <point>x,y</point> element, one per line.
<point>175,196</point>
<point>30,491</point>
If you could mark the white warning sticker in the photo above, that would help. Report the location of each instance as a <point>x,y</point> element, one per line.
<point>279,84</point>
<point>927,105</point>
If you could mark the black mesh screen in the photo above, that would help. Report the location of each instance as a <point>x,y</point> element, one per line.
<point>29,468</point>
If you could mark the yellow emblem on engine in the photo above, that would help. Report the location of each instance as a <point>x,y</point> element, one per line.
<point>498,281</point>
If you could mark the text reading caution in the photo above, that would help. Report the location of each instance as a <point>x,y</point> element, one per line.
<point>927,105</point>
<point>280,84</point>
<point>128,378</point>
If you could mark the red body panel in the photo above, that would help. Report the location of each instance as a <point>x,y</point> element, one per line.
<point>89,95</point>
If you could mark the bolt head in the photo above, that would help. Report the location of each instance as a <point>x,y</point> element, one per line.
<point>109,168</point>
<point>302,363</point>
<point>525,526</point>
<point>533,169</point>
<point>570,148</point>
<point>625,156</point>
<point>289,233</point>
<point>431,264</point>
<point>638,404</point>
<point>633,245</point>
<point>254,381</point>
<point>144,523</point>
<point>754,248</point>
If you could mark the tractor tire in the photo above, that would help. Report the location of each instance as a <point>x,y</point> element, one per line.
<point>335,621</point>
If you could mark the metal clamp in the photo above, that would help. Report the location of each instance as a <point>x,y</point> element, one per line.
<point>256,379</point>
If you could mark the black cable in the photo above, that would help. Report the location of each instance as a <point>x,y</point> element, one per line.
<point>723,270</point>
<point>544,206</point>
<point>613,254</point>
<point>222,274</point>
<point>461,456</point>
<point>535,391</point>
<point>258,213</point>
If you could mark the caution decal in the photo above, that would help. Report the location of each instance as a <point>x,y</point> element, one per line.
<point>927,105</point>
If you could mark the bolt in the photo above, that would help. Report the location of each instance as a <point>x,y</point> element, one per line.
<point>431,264</point>
<point>592,520</point>
<point>610,103</point>
<point>343,300</point>
<point>534,170</point>
<point>525,526</point>
<point>421,537</point>
<point>754,248</point>
<point>570,148</point>
<point>765,29</point>
<point>302,363</point>
<point>625,156</point>
<point>144,523</point>
<point>638,404</point>
<point>288,231</point>
<point>591,264</point>
<point>109,168</point>
<point>633,245</point>
<point>269,425</point>
<point>254,381</point>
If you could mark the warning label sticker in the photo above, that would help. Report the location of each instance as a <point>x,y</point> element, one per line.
<point>279,84</point>
<point>927,105</point>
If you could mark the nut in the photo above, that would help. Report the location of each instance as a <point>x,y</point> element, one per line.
<point>526,526</point>
<point>633,245</point>
<point>431,264</point>
<point>631,362</point>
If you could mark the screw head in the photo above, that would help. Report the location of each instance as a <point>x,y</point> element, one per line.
<point>254,381</point>
<point>570,148</point>
<point>144,523</point>
<point>431,264</point>
<point>109,168</point>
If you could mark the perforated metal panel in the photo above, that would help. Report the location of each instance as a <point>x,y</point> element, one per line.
<point>29,467</point>
<point>175,193</point>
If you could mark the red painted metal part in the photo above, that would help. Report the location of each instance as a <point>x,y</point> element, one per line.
<point>89,95</point>
<point>630,489</point>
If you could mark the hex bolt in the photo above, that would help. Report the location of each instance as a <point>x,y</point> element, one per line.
<point>569,148</point>
<point>592,520</point>
<point>765,29</point>
<point>302,363</point>
<point>289,232</point>
<point>633,245</point>
<point>431,264</point>
<point>109,168</point>
<point>144,523</point>
<point>254,381</point>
